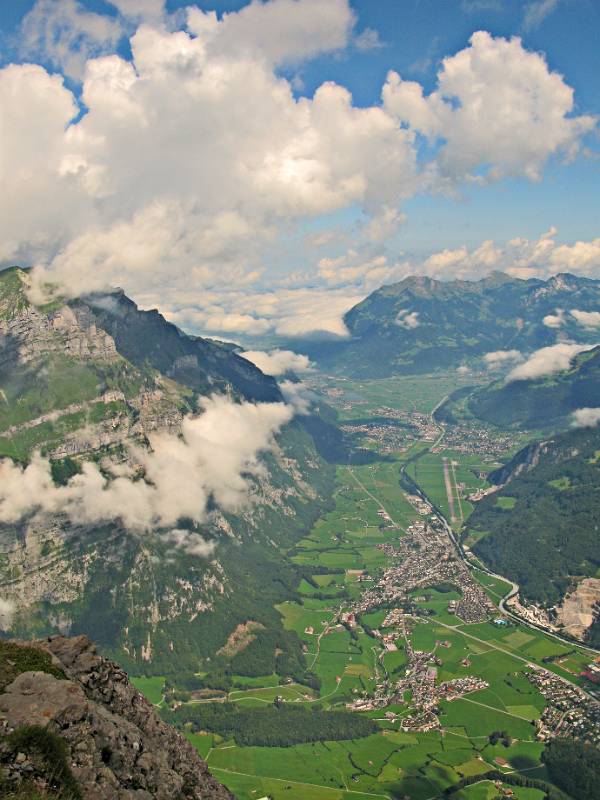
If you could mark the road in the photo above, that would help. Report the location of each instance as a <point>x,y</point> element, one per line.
<point>515,589</point>
<point>372,496</point>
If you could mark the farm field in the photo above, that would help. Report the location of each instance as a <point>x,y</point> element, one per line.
<point>403,392</point>
<point>371,509</point>
<point>151,688</point>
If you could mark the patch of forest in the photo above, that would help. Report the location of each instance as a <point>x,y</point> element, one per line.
<point>549,534</point>
<point>277,725</point>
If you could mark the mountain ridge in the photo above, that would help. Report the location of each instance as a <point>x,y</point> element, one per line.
<point>422,324</point>
<point>90,381</point>
<point>546,402</point>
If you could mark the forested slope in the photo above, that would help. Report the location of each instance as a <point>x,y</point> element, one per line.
<point>542,529</point>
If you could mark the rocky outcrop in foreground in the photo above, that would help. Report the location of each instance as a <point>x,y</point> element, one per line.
<point>117,747</point>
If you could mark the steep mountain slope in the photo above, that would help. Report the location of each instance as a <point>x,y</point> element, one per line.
<point>86,383</point>
<point>421,324</point>
<point>543,402</point>
<point>72,726</point>
<point>541,529</point>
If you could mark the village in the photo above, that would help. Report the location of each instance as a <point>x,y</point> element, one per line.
<point>570,710</point>
<point>425,556</point>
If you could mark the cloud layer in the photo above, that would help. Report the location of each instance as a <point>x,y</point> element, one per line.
<point>213,458</point>
<point>500,358</point>
<point>586,417</point>
<point>188,170</point>
<point>279,362</point>
<point>547,361</point>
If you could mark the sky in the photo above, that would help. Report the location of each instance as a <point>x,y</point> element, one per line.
<point>257,169</point>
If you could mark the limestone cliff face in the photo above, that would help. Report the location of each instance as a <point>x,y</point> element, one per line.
<point>117,746</point>
<point>91,379</point>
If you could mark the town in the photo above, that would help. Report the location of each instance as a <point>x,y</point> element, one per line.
<point>570,710</point>
<point>425,556</point>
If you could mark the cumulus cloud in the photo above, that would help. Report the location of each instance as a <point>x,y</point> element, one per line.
<point>555,320</point>
<point>189,542</point>
<point>65,34</point>
<point>496,104</point>
<point>187,166</point>
<point>213,458</point>
<point>360,268</point>
<point>547,360</point>
<point>298,395</point>
<point>519,257</point>
<point>586,417</point>
<point>499,358</point>
<point>7,611</point>
<point>278,362</point>
<point>589,319</point>
<point>147,10</point>
<point>407,319</point>
<point>282,31</point>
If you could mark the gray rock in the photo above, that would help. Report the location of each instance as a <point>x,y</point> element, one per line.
<point>119,748</point>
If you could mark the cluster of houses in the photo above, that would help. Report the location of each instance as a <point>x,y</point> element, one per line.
<point>569,712</point>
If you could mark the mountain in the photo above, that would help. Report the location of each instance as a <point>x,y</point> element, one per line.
<point>72,727</point>
<point>100,389</point>
<point>541,528</point>
<point>420,324</point>
<point>543,402</point>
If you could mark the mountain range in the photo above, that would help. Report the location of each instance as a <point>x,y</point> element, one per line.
<point>541,528</point>
<point>546,402</point>
<point>100,390</point>
<point>421,324</point>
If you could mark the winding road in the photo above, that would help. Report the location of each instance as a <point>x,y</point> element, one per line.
<point>514,590</point>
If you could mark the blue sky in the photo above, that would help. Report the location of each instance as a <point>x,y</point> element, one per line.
<point>307,204</point>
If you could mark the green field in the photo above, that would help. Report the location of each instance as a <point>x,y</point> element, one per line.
<point>348,663</point>
<point>151,688</point>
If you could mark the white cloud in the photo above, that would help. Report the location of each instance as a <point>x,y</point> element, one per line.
<point>7,611</point>
<point>216,453</point>
<point>547,360</point>
<point>298,395</point>
<point>187,164</point>
<point>555,320</point>
<point>278,362</point>
<point>580,257</point>
<point>193,164</point>
<point>189,542</point>
<point>407,319</point>
<point>586,417</point>
<point>499,358</point>
<point>282,31</point>
<point>138,10</point>
<point>496,104</point>
<point>368,39</point>
<point>589,319</point>
<point>65,34</point>
<point>364,271</point>
<point>286,312</point>
<point>536,12</point>
<point>520,257</point>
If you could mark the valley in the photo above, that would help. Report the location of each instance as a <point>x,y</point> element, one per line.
<point>372,598</point>
<point>398,627</point>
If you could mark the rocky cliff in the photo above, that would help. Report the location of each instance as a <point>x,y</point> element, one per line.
<point>89,381</point>
<point>71,725</point>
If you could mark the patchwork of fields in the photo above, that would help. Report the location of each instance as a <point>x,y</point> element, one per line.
<point>343,549</point>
